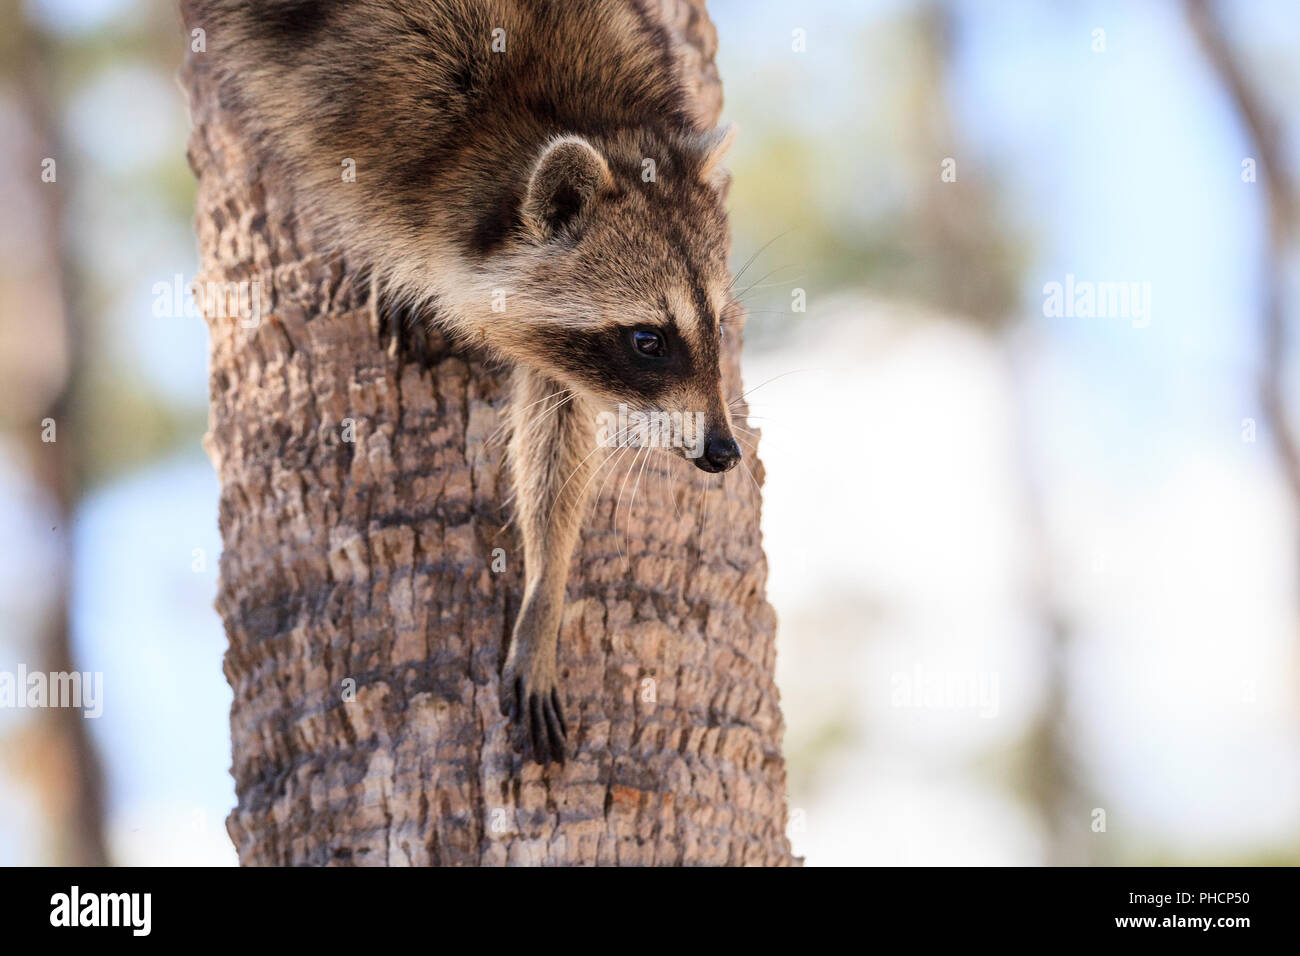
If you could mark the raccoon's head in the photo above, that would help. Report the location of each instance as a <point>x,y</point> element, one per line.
<point>626,283</point>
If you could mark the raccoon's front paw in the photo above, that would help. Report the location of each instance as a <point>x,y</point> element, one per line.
<point>530,697</point>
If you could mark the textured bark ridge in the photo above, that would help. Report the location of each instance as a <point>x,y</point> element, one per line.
<point>365,619</point>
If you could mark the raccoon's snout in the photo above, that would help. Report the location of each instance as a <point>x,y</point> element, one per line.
<point>721,453</point>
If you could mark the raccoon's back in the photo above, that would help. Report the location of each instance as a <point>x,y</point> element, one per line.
<point>440,105</point>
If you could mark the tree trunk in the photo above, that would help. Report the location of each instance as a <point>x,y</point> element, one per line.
<point>366,616</point>
<point>56,751</point>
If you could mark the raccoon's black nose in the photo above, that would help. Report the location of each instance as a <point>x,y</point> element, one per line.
<point>720,454</point>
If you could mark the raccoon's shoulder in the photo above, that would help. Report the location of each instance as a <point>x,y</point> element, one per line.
<point>441,104</point>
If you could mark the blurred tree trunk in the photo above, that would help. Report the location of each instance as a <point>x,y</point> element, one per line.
<point>56,752</point>
<point>1264,135</point>
<point>369,564</point>
<point>982,269</point>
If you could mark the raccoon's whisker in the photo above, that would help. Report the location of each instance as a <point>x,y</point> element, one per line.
<point>704,506</point>
<point>615,458</point>
<point>771,272</point>
<point>760,284</point>
<point>578,467</point>
<point>659,487</point>
<point>560,391</point>
<point>769,382</point>
<point>612,470</point>
<point>750,261</point>
<point>528,429</point>
<point>618,461</point>
<point>499,432</point>
<point>666,481</point>
<point>740,297</point>
<point>663,486</point>
<point>619,503</point>
<point>754,481</point>
<point>535,425</point>
<point>754,437</point>
<point>632,504</point>
<point>697,480</point>
<point>750,417</point>
<point>540,420</point>
<point>753,440</point>
<point>752,445</point>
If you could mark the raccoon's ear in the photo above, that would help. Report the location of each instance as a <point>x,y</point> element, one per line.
<point>567,178</point>
<point>713,148</point>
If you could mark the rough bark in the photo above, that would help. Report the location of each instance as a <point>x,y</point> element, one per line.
<point>371,561</point>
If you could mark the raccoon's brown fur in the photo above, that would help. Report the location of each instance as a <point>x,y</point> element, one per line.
<point>536,156</point>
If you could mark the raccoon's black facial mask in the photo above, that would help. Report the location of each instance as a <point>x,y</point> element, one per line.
<point>632,363</point>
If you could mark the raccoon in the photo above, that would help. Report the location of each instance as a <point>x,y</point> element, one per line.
<point>536,154</point>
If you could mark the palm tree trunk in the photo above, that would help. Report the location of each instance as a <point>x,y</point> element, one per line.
<point>365,612</point>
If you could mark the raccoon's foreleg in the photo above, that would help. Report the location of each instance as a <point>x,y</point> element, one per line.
<point>552,452</point>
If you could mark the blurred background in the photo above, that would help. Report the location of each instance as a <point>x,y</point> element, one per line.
<point>1040,605</point>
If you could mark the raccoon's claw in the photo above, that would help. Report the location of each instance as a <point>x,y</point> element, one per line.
<point>538,718</point>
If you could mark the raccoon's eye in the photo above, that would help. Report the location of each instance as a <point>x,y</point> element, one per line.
<point>649,343</point>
